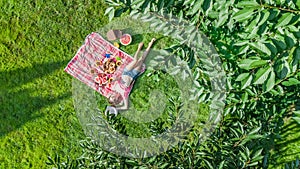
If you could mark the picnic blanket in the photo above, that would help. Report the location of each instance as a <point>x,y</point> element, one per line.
<point>99,64</point>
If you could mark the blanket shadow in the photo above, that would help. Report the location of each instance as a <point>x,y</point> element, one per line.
<point>20,104</point>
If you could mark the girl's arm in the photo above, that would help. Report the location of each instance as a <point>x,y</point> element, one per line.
<point>124,106</point>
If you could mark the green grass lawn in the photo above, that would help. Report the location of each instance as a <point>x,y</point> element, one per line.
<point>37,40</point>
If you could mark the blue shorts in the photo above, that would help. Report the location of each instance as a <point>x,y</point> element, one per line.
<point>131,73</point>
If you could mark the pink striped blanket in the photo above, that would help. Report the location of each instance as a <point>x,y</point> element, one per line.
<point>99,64</point>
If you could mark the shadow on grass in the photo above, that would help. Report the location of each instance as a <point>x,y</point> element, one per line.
<point>18,105</point>
<point>287,147</point>
<point>287,127</point>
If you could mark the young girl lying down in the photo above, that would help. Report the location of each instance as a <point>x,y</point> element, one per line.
<point>119,98</point>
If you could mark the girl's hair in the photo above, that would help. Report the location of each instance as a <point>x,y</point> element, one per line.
<point>116,100</point>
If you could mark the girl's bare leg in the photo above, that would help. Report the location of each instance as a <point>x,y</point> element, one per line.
<point>145,54</point>
<point>142,59</point>
<point>138,50</point>
<point>132,64</point>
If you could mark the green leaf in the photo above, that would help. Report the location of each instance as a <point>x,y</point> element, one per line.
<point>252,27</point>
<point>51,161</point>
<point>284,20</point>
<point>297,119</point>
<point>246,63</point>
<point>261,47</point>
<point>108,10</point>
<point>131,162</point>
<point>274,14</point>
<point>258,63</point>
<point>272,48</point>
<point>242,76</point>
<point>270,82</point>
<point>257,153</point>
<point>253,33</point>
<point>297,113</point>
<point>119,12</point>
<point>279,44</point>
<point>262,75</point>
<point>180,15</point>
<point>221,19</point>
<point>264,18</point>
<point>250,92</point>
<point>137,2</point>
<point>222,164</point>
<point>282,68</point>
<point>251,137</point>
<point>244,156</point>
<point>111,14</point>
<point>206,5</point>
<point>297,54</point>
<point>289,40</point>
<point>164,165</point>
<point>241,43</point>
<point>292,28</point>
<point>247,152</point>
<point>254,136</point>
<point>112,3</point>
<point>196,7</point>
<point>252,164</point>
<point>298,4</point>
<point>244,4</point>
<point>243,14</point>
<point>246,82</point>
<point>291,82</point>
<point>254,131</point>
<point>146,5</point>
<point>160,4</point>
<point>170,3</point>
<point>208,164</point>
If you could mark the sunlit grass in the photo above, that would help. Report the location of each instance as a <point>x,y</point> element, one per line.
<point>37,40</point>
<point>287,148</point>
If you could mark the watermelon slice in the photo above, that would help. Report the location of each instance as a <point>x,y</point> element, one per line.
<point>125,39</point>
